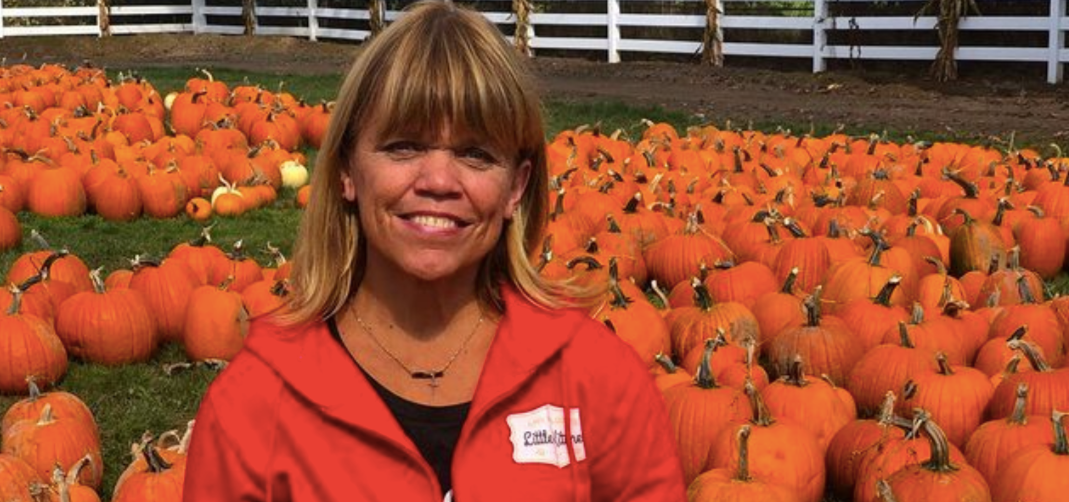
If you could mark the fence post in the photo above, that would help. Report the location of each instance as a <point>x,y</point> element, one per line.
<point>521,11</point>
<point>1,19</point>
<point>1055,42</point>
<point>820,35</point>
<point>199,19</point>
<point>376,17</point>
<point>248,16</point>
<point>313,20</point>
<point>613,30</point>
<point>103,18</point>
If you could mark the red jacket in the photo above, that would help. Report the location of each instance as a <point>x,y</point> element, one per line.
<point>294,419</point>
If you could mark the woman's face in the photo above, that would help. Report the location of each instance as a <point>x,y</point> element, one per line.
<point>431,209</point>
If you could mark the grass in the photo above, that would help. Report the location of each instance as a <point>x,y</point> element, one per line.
<point>131,399</point>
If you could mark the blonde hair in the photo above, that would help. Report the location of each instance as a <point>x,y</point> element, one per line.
<point>440,65</point>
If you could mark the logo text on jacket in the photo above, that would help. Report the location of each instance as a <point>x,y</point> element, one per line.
<point>538,436</point>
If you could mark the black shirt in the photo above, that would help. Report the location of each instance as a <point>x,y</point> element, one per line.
<point>435,430</point>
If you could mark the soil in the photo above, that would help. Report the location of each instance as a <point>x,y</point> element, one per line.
<point>980,107</point>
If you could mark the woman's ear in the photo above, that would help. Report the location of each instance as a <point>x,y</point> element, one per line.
<point>348,188</point>
<point>518,188</point>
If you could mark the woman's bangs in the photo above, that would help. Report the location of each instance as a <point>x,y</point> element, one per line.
<point>450,89</point>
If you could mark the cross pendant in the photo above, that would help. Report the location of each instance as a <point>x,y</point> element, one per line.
<point>433,376</point>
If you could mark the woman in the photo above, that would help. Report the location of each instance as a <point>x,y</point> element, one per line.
<point>421,356</point>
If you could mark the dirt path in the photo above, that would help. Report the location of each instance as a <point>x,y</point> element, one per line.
<point>972,109</point>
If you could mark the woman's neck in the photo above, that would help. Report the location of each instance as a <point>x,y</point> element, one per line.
<point>421,309</point>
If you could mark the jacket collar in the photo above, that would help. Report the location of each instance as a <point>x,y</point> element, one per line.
<point>313,365</point>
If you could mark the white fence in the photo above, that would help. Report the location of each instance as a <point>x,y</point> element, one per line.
<point>621,21</point>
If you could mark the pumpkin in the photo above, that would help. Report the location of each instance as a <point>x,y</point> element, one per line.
<point>870,318</point>
<point>938,478</point>
<point>675,258</point>
<point>202,256</point>
<point>64,405</point>
<point>954,396</point>
<point>65,266</point>
<point>844,452</point>
<point>778,310</point>
<point>636,322</point>
<point>996,441</point>
<point>780,451</point>
<point>825,342</point>
<point>30,348</point>
<point>736,484</point>
<point>894,453</point>
<point>816,404</point>
<point>16,476</point>
<point>107,327</point>
<point>165,286</point>
<point>1049,387</point>
<point>199,209</point>
<point>157,481</point>
<point>698,412</point>
<point>52,440</point>
<point>1036,472</point>
<point>216,323</point>
<point>10,230</point>
<point>691,325</point>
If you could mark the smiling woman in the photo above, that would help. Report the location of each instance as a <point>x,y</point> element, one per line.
<point>421,357</point>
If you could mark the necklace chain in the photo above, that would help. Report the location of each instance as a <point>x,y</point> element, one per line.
<point>433,375</point>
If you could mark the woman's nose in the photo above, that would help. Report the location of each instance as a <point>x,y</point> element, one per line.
<point>438,174</point>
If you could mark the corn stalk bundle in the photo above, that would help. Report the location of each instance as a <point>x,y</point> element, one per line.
<point>950,13</point>
<point>248,16</point>
<point>522,10</point>
<point>104,17</point>
<point>713,38</point>
<point>377,12</point>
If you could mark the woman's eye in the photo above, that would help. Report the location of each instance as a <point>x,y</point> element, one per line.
<point>402,148</point>
<point>479,155</point>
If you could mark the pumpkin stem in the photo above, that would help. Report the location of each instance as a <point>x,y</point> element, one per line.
<point>35,391</point>
<point>1061,443</point>
<point>940,458</point>
<point>46,416</point>
<point>743,472</point>
<point>883,298</point>
<point>16,300</point>
<point>38,239</point>
<point>590,262</point>
<point>156,463</point>
<point>1020,412</point>
<point>205,237</point>
<point>666,363</point>
<point>46,267</point>
<point>1000,213</point>
<point>940,267</point>
<point>1024,291</point>
<point>944,364</point>
<point>811,304</point>
<point>909,389</point>
<point>903,336</point>
<point>878,247</point>
<point>762,417</point>
<point>795,372</point>
<point>916,315</point>
<point>788,283</point>
<point>591,246</point>
<point>98,281</point>
<point>887,409</point>
<point>773,234</point>
<point>704,377</point>
<point>660,293</point>
<point>75,471</point>
<point>794,228</point>
<point>971,190</point>
<point>1029,351</point>
<point>883,489</point>
<point>702,298</point>
<point>914,196</point>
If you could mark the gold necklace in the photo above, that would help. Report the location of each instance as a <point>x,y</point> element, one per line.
<point>432,375</point>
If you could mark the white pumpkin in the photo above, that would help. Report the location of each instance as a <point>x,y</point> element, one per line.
<point>294,174</point>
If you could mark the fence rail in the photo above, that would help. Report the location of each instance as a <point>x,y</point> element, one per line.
<point>805,29</point>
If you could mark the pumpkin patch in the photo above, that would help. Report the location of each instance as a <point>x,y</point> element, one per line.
<point>820,319</point>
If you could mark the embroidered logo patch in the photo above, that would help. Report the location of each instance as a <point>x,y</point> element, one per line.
<point>538,436</point>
